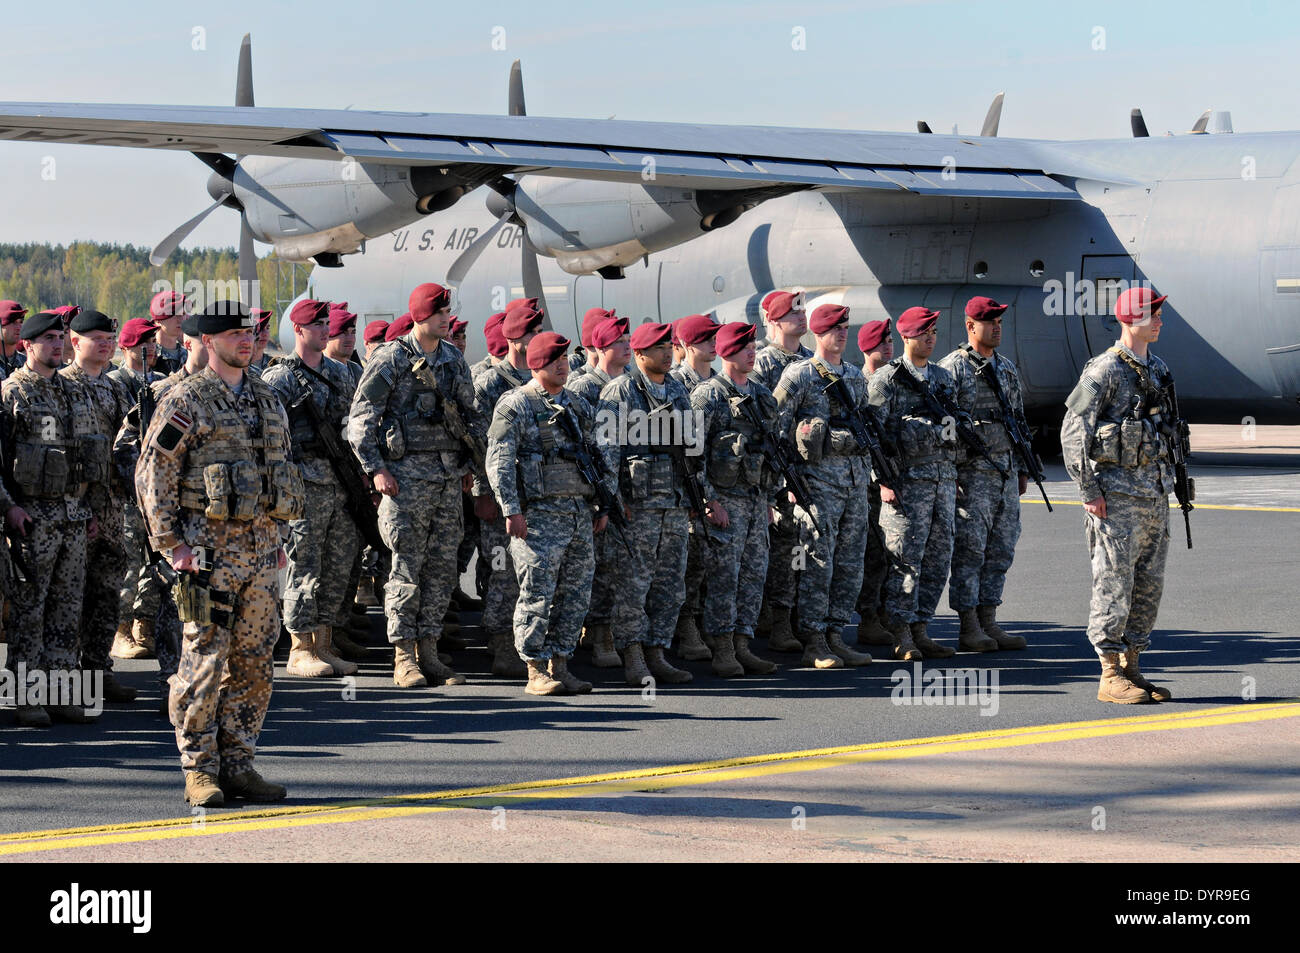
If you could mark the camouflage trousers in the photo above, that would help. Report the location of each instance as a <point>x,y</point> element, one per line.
<point>554,565</point>
<point>737,567</point>
<point>501,595</point>
<point>918,530</point>
<point>650,584</point>
<point>785,548</point>
<point>222,686</point>
<point>141,591</point>
<point>44,629</point>
<point>830,583</point>
<point>473,532</point>
<point>697,563</point>
<point>100,604</point>
<point>876,564</point>
<point>322,547</point>
<point>609,550</point>
<point>985,532</point>
<point>421,526</point>
<point>167,637</point>
<point>1128,550</point>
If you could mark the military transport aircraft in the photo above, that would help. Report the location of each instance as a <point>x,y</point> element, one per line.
<point>664,219</point>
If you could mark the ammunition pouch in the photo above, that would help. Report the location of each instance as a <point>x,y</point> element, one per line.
<point>726,458</point>
<point>1105,447</point>
<point>286,490</point>
<point>234,491</point>
<point>810,438</point>
<point>841,443</point>
<point>1128,444</point>
<point>94,459</point>
<point>196,602</point>
<point>44,471</point>
<point>562,478</point>
<point>646,477</point>
<point>994,434</point>
<point>392,440</point>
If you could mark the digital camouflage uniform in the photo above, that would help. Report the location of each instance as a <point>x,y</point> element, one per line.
<point>918,527</point>
<point>988,504</point>
<point>529,474</point>
<point>138,598</point>
<point>209,450</point>
<point>396,423</point>
<point>323,543</point>
<point>479,366</point>
<point>170,359</point>
<point>832,578</point>
<point>600,611</point>
<point>697,555</point>
<point>1112,452</point>
<point>10,362</point>
<point>875,565</point>
<point>649,585</point>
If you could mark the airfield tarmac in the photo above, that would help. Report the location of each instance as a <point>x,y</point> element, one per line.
<point>800,765</point>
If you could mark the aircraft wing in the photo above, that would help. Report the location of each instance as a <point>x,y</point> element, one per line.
<point>689,155</point>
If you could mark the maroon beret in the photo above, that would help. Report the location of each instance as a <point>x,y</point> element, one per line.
<point>166,304</point>
<point>375,331</point>
<point>984,309</point>
<point>457,326</point>
<point>261,318</point>
<point>696,328</point>
<point>735,337</point>
<point>531,302</point>
<point>828,316</point>
<point>519,320</point>
<point>135,331</point>
<point>592,318</point>
<point>307,311</point>
<point>545,348</point>
<point>399,327</point>
<point>1137,304</point>
<point>871,334</point>
<point>672,333</point>
<point>650,334</point>
<point>341,319</point>
<point>11,312</point>
<point>496,341</point>
<point>607,332</point>
<point>67,312</point>
<point>426,299</point>
<point>915,321</point>
<point>777,304</point>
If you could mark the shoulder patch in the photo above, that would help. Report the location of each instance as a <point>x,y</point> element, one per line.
<point>176,427</point>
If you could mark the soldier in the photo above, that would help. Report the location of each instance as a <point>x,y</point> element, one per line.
<point>411,398</point>
<point>536,429</point>
<point>342,344</point>
<point>877,350</point>
<point>583,358</point>
<point>838,473</point>
<point>1116,448</point>
<point>370,581</point>
<point>917,514</point>
<point>734,410</point>
<point>520,326</point>
<point>496,345</point>
<point>988,512</point>
<point>11,326</point>
<point>399,328</point>
<point>261,338</point>
<point>786,324</point>
<point>643,422</point>
<point>167,310</point>
<point>217,486</point>
<point>323,541</point>
<point>374,336</point>
<point>457,333</point>
<point>47,417</point>
<point>94,337</point>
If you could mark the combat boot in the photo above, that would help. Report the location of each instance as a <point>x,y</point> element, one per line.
<point>115,691</point>
<point>323,642</point>
<point>662,669</point>
<point>540,681</point>
<point>850,657</point>
<point>763,628</point>
<point>1131,672</point>
<point>988,616</point>
<point>905,649</point>
<point>634,669</point>
<point>973,637</point>
<point>753,664</point>
<point>344,646</point>
<point>929,648</point>
<point>871,631</point>
<point>505,658</point>
<point>432,666</point>
<point>725,663</point>
<point>560,672</point>
<point>142,636</point>
<point>33,716</point>
<point>123,645</point>
<point>251,786</point>
<point>303,660</point>
<point>603,653</point>
<point>1115,686</point>
<point>406,671</point>
<point>201,790</point>
<point>366,592</point>
<point>817,654</point>
<point>689,644</point>
<point>782,637</point>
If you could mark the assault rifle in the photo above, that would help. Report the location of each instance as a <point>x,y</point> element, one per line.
<point>1020,440</point>
<point>677,452</point>
<point>779,458</point>
<point>941,406</point>
<point>453,416</point>
<point>591,467</point>
<point>884,455</point>
<point>1179,436</point>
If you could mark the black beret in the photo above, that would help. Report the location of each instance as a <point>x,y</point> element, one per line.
<point>39,323</point>
<point>222,316</point>
<point>190,326</point>
<point>86,321</point>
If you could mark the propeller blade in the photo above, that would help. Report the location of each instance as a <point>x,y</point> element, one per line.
<point>461,266</point>
<point>247,262</point>
<point>517,91</point>
<point>1138,124</point>
<point>994,117</point>
<point>923,127</point>
<point>533,282</point>
<point>244,75</point>
<point>1202,121</point>
<point>162,251</point>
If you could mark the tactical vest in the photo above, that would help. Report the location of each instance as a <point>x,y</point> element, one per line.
<point>421,425</point>
<point>235,474</point>
<point>735,455</point>
<point>1136,439</point>
<point>306,440</point>
<point>647,469</point>
<point>987,411</point>
<point>551,473</point>
<point>918,431</point>
<point>53,462</point>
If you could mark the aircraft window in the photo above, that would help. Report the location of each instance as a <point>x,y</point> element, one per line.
<point>981,269</point>
<point>1036,268</point>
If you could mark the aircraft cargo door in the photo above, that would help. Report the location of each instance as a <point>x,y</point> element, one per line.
<point>1108,275</point>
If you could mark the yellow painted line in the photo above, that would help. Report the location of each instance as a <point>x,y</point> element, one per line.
<point>1199,506</point>
<point>658,778</point>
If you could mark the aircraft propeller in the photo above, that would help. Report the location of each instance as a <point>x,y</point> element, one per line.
<point>992,119</point>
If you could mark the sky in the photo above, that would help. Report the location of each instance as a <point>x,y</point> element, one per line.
<point>1070,71</point>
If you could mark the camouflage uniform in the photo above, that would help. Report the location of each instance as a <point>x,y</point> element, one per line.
<point>529,475</point>
<point>600,611</point>
<point>323,542</point>
<point>697,554</point>
<point>918,527</point>
<point>739,478</point>
<point>830,583</point>
<point>211,450</point>
<point>53,427</point>
<point>1113,453</point>
<point>11,362</point>
<point>170,359</point>
<point>651,584</point>
<point>988,504</point>
<point>478,367</point>
<point>395,423</point>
